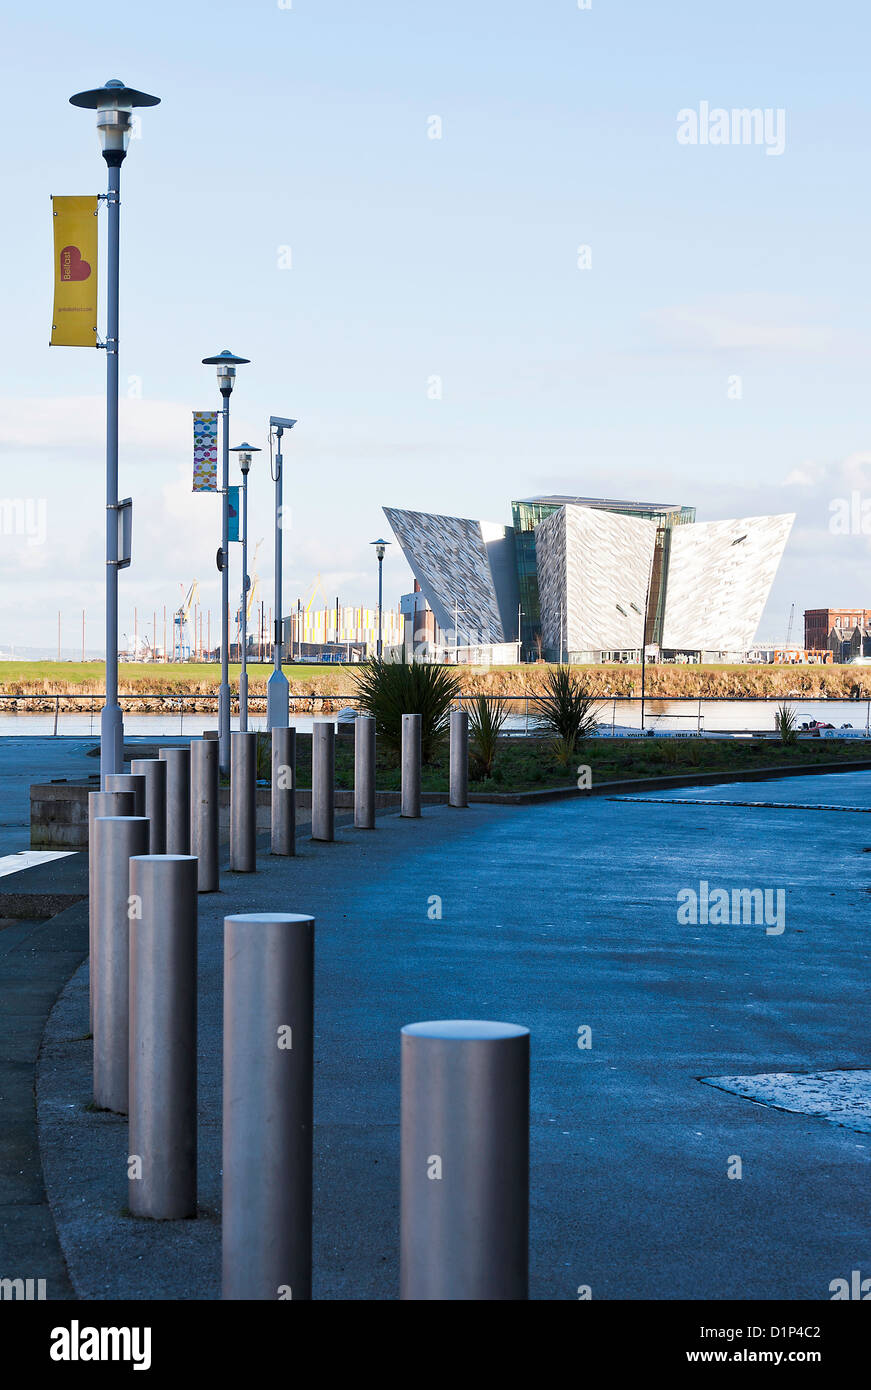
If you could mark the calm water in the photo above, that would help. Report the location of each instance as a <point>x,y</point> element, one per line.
<point>716,716</point>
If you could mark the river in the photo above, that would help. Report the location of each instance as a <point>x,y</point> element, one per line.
<point>734,716</point>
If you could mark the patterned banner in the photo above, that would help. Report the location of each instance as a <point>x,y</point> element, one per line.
<point>74,316</point>
<point>205,451</point>
<point>233,510</point>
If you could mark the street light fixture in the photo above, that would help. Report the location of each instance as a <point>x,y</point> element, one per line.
<point>226,363</point>
<point>114,105</point>
<point>380,547</point>
<point>244,451</point>
<point>277,689</point>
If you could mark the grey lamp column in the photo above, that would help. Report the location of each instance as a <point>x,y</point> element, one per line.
<point>380,547</point>
<point>226,363</point>
<point>277,701</point>
<point>244,451</point>
<point>113,104</point>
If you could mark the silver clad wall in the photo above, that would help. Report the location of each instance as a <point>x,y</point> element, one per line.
<point>719,577</point>
<point>597,564</point>
<point>448,557</point>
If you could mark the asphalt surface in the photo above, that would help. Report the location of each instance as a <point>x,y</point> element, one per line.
<point>558,917</point>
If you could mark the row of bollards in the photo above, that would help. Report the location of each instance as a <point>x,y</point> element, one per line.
<point>465,1085</point>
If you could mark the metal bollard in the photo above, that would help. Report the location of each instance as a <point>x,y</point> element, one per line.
<point>243,802</point>
<point>267,1138</point>
<point>154,772</point>
<point>117,838</point>
<point>204,812</point>
<point>127,782</point>
<point>162,1160</point>
<point>100,804</point>
<point>178,799</point>
<point>364,772</point>
<point>283,790</point>
<point>410,765</point>
<point>464,1133</point>
<point>323,779</point>
<point>459,775</point>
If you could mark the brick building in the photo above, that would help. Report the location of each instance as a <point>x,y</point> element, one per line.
<point>843,630</point>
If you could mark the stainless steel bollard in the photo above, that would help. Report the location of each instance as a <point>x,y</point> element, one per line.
<point>162,1160</point>
<point>154,772</point>
<point>178,799</point>
<point>410,765</point>
<point>243,802</point>
<point>204,812</point>
<point>459,775</point>
<point>323,779</point>
<point>283,790</point>
<point>128,782</point>
<point>364,772</point>
<point>100,804</point>
<point>464,1132</point>
<point>267,1144</point>
<point>117,838</point>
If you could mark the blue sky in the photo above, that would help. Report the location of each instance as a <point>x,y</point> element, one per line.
<point>455,258</point>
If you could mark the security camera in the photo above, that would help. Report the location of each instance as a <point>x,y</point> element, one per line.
<point>278,422</point>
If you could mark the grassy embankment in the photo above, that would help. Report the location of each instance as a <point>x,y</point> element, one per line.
<point>529,764</point>
<point>322,687</point>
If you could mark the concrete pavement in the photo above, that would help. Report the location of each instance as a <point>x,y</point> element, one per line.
<point>560,917</point>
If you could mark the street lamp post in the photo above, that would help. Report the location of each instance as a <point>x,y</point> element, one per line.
<point>113,104</point>
<point>277,702</point>
<point>226,364</point>
<point>380,547</point>
<point>244,451</point>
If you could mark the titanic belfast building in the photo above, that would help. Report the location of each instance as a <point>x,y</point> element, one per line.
<point>591,579</point>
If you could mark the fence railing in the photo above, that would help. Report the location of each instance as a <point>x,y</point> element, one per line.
<point>522,705</point>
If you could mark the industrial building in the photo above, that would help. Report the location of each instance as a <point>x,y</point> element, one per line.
<point>589,579</point>
<point>845,632</point>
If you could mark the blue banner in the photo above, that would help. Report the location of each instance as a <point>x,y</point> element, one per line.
<point>233,498</point>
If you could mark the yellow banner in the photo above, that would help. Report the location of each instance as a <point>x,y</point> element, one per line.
<point>74,318</point>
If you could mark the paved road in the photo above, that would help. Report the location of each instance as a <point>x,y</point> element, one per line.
<point>556,916</point>
<point>27,760</point>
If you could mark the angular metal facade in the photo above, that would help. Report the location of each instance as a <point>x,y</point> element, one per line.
<point>593,571</point>
<point>583,574</point>
<point>719,577</point>
<point>465,569</point>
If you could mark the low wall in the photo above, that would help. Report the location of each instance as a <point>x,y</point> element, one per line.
<point>59,811</point>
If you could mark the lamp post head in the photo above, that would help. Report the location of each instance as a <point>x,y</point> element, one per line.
<point>226,363</point>
<point>113,104</point>
<point>380,547</point>
<point>245,451</point>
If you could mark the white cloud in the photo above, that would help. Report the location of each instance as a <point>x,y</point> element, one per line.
<point>740,322</point>
<point>79,422</point>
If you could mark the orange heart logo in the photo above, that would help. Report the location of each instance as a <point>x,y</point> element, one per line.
<point>72,266</point>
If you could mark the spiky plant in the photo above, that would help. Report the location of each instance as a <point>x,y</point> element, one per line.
<point>390,689</point>
<point>564,708</point>
<point>487,715</point>
<point>785,723</point>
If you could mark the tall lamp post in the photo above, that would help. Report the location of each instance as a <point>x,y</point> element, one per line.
<point>113,104</point>
<point>244,451</point>
<point>226,363</point>
<point>380,547</point>
<point>277,702</point>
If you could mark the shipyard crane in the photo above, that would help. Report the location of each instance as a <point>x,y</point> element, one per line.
<point>181,649</point>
